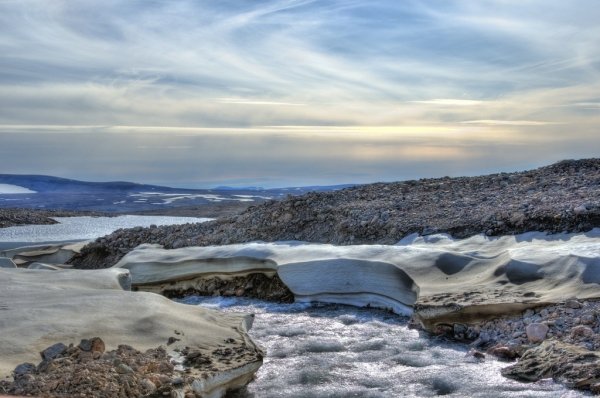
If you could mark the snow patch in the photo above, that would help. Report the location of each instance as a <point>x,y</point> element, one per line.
<point>14,189</point>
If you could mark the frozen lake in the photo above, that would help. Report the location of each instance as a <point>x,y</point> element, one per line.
<point>340,351</point>
<point>84,228</point>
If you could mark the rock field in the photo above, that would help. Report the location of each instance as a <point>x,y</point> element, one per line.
<point>563,197</point>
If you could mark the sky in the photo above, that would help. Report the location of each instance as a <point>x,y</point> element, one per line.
<point>272,93</point>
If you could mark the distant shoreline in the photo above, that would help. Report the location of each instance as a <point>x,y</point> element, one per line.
<point>10,217</point>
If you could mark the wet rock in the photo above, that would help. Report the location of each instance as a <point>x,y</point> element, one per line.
<point>536,332</point>
<point>565,363</point>
<point>504,352</point>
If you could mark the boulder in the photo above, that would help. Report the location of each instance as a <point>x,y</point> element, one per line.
<point>563,362</point>
<point>536,332</point>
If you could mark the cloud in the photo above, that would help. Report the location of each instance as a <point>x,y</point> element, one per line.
<point>449,102</point>
<point>508,122</point>
<point>489,72</point>
<point>241,101</point>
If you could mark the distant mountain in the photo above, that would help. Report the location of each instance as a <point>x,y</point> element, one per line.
<point>127,197</point>
<point>46,184</point>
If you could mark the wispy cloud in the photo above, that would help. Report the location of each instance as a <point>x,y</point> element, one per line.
<point>449,102</point>
<point>509,122</point>
<point>241,101</point>
<point>491,67</point>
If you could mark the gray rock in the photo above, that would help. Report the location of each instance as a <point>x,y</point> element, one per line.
<point>580,210</point>
<point>148,385</point>
<point>588,319</point>
<point>24,368</point>
<point>85,345</point>
<point>54,351</point>
<point>574,304</point>
<point>124,369</point>
<point>536,332</point>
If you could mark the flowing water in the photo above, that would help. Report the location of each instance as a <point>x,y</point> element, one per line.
<point>340,351</point>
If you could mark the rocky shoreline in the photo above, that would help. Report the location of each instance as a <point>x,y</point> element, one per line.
<point>11,217</point>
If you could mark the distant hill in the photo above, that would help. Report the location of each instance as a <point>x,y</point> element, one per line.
<point>57,193</point>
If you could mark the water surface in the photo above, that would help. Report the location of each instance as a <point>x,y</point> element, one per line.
<point>83,228</point>
<point>341,351</point>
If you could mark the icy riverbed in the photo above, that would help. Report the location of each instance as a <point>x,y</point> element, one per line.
<point>341,351</point>
<point>83,228</point>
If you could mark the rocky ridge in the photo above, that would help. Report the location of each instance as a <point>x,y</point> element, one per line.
<point>563,197</point>
<point>12,217</point>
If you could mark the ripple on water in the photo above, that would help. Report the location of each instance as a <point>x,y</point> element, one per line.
<point>340,351</point>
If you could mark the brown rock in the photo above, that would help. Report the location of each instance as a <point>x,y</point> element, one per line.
<point>504,352</point>
<point>581,331</point>
<point>536,332</point>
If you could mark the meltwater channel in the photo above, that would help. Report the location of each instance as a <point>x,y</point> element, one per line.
<point>341,351</point>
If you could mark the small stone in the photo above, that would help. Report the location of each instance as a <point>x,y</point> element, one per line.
<point>85,345</point>
<point>24,368</point>
<point>573,304</point>
<point>177,381</point>
<point>459,330</point>
<point>148,386</point>
<point>124,369</point>
<point>580,210</point>
<point>97,345</point>
<point>536,332</point>
<point>588,319</point>
<point>476,354</point>
<point>581,331</point>
<point>54,351</point>
<point>503,352</point>
<point>484,337</point>
<point>569,311</point>
<point>172,340</point>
